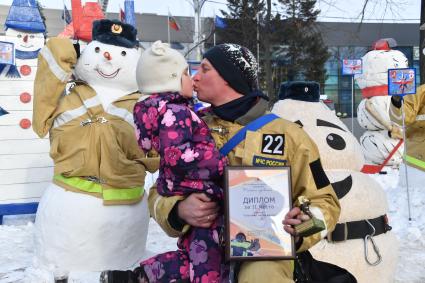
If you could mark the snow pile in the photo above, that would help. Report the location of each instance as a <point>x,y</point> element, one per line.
<point>410,233</point>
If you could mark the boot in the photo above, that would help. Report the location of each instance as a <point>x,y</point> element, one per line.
<point>124,276</point>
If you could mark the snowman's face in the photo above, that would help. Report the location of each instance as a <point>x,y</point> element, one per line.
<point>108,65</point>
<point>338,147</point>
<point>376,64</point>
<point>25,41</point>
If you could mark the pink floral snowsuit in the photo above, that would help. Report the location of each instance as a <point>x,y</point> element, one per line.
<point>189,163</point>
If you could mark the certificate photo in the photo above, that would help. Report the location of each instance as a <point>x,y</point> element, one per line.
<point>257,200</point>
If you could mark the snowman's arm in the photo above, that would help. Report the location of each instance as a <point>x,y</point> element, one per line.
<point>55,62</point>
<point>413,103</point>
<point>309,180</point>
<point>151,163</point>
<point>377,115</point>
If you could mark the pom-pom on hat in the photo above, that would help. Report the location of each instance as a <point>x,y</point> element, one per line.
<point>24,15</point>
<point>305,91</point>
<point>160,69</point>
<point>114,32</point>
<point>236,65</point>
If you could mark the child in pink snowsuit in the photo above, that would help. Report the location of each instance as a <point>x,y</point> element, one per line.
<point>190,162</point>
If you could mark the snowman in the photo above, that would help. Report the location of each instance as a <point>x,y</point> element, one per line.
<point>93,216</point>
<point>363,222</point>
<point>381,134</point>
<point>25,166</point>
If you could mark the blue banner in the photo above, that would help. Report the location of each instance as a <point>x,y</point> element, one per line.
<point>401,81</point>
<point>220,22</point>
<point>130,18</point>
<point>351,66</point>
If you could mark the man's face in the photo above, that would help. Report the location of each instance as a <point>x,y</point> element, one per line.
<point>209,84</point>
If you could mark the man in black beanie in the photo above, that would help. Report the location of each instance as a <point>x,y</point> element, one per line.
<point>227,79</point>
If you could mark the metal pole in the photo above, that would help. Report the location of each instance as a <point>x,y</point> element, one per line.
<point>196,7</point>
<point>352,104</point>
<point>168,25</point>
<point>404,157</point>
<point>258,38</point>
<point>215,16</point>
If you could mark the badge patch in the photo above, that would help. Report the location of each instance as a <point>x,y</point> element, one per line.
<point>273,144</point>
<point>260,161</point>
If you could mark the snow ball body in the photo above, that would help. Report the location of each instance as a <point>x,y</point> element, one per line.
<point>359,195</point>
<point>76,231</point>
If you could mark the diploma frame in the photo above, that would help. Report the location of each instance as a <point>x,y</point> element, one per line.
<point>256,202</point>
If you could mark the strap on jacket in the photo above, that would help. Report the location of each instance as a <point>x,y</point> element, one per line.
<point>252,126</point>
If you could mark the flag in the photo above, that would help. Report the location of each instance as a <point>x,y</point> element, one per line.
<point>129,12</point>
<point>220,22</point>
<point>122,15</point>
<point>66,16</point>
<point>172,22</point>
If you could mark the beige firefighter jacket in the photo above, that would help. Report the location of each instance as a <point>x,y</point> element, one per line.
<point>299,152</point>
<point>414,111</point>
<point>95,151</point>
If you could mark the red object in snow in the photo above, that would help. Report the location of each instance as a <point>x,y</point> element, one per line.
<point>374,169</point>
<point>25,97</point>
<point>83,18</point>
<point>25,70</point>
<point>25,123</point>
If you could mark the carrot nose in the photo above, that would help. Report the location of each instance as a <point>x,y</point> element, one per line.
<point>26,38</point>
<point>107,55</point>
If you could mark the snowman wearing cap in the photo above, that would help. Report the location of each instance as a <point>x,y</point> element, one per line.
<point>94,214</point>
<point>25,163</point>
<point>361,242</point>
<point>25,29</point>
<point>381,135</point>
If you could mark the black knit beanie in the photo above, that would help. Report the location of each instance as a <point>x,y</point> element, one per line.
<point>236,65</point>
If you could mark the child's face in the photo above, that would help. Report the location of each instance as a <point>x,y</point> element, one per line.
<point>187,87</point>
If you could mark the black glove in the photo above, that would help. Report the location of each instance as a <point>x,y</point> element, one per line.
<point>77,48</point>
<point>396,100</point>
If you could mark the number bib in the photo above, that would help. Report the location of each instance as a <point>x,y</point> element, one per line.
<point>273,144</point>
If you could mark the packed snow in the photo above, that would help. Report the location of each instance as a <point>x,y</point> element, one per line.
<point>18,264</point>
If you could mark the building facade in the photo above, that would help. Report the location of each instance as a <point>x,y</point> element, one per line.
<point>344,40</point>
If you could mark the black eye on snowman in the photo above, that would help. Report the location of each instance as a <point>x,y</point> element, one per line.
<point>97,50</point>
<point>19,36</point>
<point>123,53</point>
<point>335,141</point>
<point>31,36</point>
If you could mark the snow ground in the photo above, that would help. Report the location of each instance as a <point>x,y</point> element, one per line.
<point>17,262</point>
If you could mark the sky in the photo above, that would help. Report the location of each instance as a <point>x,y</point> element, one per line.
<point>407,11</point>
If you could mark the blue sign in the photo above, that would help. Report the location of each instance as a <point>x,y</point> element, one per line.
<point>7,53</point>
<point>401,81</point>
<point>351,66</point>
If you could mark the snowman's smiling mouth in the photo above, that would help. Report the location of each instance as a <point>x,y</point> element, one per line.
<point>108,76</point>
<point>26,46</point>
<point>343,187</point>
